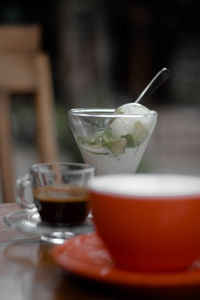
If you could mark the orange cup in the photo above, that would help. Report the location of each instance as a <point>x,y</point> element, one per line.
<point>148,222</point>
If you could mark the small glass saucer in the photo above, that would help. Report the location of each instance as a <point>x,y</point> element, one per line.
<point>28,221</point>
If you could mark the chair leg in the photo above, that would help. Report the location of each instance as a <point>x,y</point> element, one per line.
<point>6,154</point>
<point>46,138</point>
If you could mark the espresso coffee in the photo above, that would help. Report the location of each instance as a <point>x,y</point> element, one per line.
<point>65,205</point>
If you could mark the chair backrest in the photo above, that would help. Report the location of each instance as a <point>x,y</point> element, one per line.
<point>24,68</point>
<point>19,46</point>
<point>19,39</point>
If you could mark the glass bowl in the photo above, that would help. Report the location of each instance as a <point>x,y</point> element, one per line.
<point>112,143</point>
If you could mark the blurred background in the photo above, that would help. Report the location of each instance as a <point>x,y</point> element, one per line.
<point>102,54</point>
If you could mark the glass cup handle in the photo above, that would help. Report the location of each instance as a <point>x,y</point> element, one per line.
<point>23,186</point>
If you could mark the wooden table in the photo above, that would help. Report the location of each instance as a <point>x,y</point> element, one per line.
<point>28,273</point>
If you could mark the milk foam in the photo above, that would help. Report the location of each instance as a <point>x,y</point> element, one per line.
<point>147,185</point>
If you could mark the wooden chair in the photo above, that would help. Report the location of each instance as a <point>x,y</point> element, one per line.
<point>24,68</point>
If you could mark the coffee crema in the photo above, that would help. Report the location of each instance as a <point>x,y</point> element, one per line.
<point>62,205</point>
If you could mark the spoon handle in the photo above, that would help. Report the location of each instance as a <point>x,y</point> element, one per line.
<point>162,76</point>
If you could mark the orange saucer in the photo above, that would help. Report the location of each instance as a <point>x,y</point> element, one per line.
<point>85,255</point>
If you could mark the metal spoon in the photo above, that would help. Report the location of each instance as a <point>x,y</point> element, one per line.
<point>162,76</point>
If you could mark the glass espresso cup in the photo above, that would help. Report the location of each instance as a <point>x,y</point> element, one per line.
<point>58,192</point>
